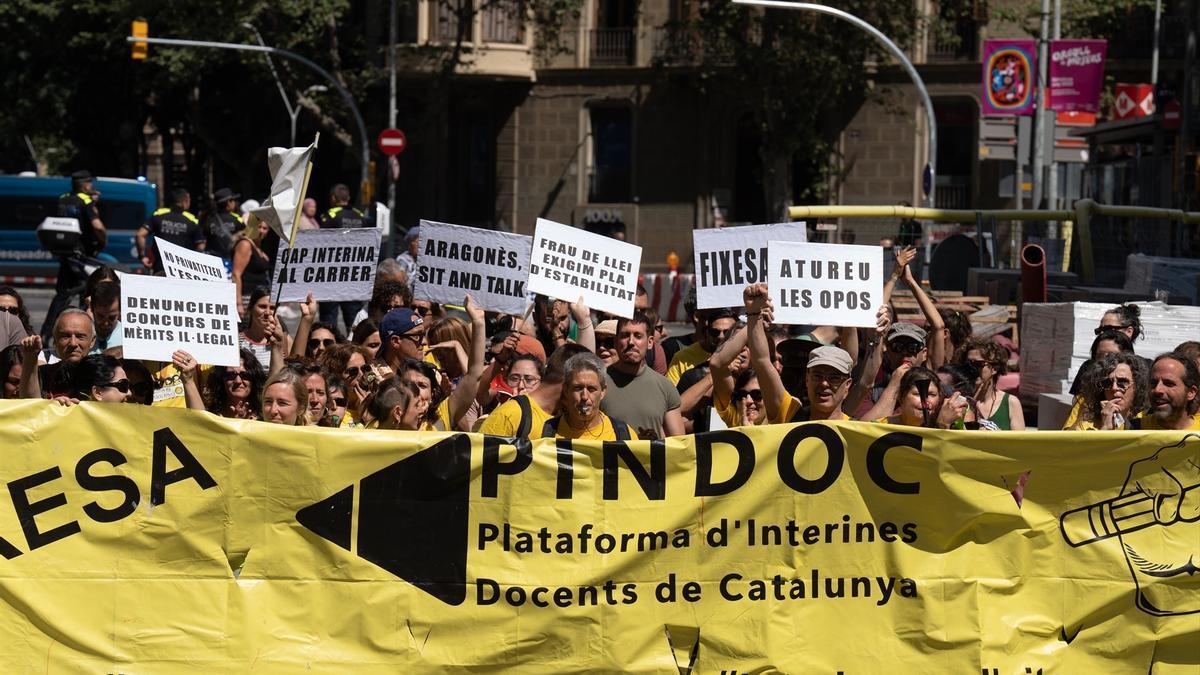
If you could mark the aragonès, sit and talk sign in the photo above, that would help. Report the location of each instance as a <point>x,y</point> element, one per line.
<point>569,263</point>
<point>728,259</point>
<point>826,284</point>
<point>491,266</point>
<point>160,315</point>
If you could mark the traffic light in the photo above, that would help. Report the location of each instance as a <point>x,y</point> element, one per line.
<point>140,30</point>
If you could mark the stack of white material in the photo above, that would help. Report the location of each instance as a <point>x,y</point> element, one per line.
<point>1056,338</point>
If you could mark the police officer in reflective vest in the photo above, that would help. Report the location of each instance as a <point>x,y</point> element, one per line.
<point>224,223</point>
<point>81,203</point>
<point>341,215</point>
<point>174,224</point>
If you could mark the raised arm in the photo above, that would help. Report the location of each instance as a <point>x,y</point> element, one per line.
<point>866,377</point>
<point>464,393</point>
<point>759,310</point>
<point>722,377</point>
<point>583,319</point>
<point>308,314</point>
<point>904,256</point>
<point>935,341</point>
<point>278,339</point>
<point>31,381</point>
<point>886,404</point>
<point>187,366</point>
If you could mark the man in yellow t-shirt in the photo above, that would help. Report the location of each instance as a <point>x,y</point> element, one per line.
<point>718,324</point>
<point>584,387</point>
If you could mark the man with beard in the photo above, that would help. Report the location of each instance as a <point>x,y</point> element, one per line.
<point>1174,393</point>
<point>584,387</point>
<point>640,396</point>
<point>717,324</point>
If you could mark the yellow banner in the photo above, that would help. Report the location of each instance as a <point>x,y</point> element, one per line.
<point>142,540</point>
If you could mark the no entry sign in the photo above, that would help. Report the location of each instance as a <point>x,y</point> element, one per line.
<point>392,141</point>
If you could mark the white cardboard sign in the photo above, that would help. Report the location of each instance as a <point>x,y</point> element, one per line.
<point>568,262</point>
<point>331,264</point>
<point>826,284</point>
<point>454,260</point>
<point>728,259</point>
<point>183,263</point>
<point>160,315</point>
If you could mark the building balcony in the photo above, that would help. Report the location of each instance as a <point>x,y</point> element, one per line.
<point>612,46</point>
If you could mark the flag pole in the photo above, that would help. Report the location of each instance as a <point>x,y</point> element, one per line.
<point>296,220</point>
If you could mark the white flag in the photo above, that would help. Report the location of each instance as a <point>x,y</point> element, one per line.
<point>287,167</point>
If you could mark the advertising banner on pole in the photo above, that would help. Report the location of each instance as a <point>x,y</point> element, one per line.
<point>1076,75</point>
<point>1009,77</point>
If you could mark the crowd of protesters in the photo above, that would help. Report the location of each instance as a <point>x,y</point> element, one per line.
<point>566,371</point>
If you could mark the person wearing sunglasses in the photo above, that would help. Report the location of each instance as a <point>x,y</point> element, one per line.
<point>717,325</point>
<point>1124,318</point>
<point>98,377</point>
<point>402,336</point>
<point>1115,393</point>
<point>321,336</point>
<point>990,360</point>
<point>352,364</point>
<point>233,391</point>
<point>12,303</point>
<point>444,411</point>
<point>922,403</point>
<point>141,382</point>
<point>335,389</point>
<point>1108,341</point>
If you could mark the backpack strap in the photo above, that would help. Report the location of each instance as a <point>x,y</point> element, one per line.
<point>550,428</point>
<point>526,423</point>
<point>622,430</point>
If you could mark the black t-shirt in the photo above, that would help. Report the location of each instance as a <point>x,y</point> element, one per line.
<point>176,226</point>
<point>220,230</point>
<point>340,217</point>
<point>672,345</point>
<point>82,207</point>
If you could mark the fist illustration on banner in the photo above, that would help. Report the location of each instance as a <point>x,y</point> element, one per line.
<point>1156,517</point>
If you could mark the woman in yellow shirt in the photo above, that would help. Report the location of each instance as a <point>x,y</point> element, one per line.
<point>1113,393</point>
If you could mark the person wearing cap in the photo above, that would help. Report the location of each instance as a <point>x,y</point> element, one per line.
<point>172,223</point>
<point>606,341</point>
<point>223,223</point>
<point>408,259</point>
<point>402,336</point>
<point>638,395</point>
<point>718,323</point>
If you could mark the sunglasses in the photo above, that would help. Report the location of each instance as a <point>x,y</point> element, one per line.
<point>906,347</point>
<point>231,375</point>
<point>339,402</point>
<point>423,311</point>
<point>415,338</point>
<point>660,328</point>
<point>15,311</point>
<point>1116,382</point>
<point>351,372</point>
<point>980,363</point>
<point>717,334</point>
<point>754,394</point>
<point>120,385</point>
<point>1108,329</point>
<point>326,343</point>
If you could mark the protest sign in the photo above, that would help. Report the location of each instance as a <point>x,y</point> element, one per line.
<point>383,220</point>
<point>826,284</point>
<point>804,548</point>
<point>454,260</point>
<point>1076,74</point>
<point>730,258</point>
<point>159,316</point>
<point>568,262</point>
<point>330,264</point>
<point>182,263</point>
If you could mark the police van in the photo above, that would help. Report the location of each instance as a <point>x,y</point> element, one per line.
<point>26,201</point>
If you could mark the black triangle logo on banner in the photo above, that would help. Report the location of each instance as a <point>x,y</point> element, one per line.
<point>412,518</point>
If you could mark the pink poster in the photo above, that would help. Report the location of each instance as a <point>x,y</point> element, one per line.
<point>1009,77</point>
<point>1076,74</point>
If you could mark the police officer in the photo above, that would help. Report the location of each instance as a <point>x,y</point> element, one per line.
<point>224,223</point>
<point>341,214</point>
<point>174,224</point>
<point>81,204</point>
